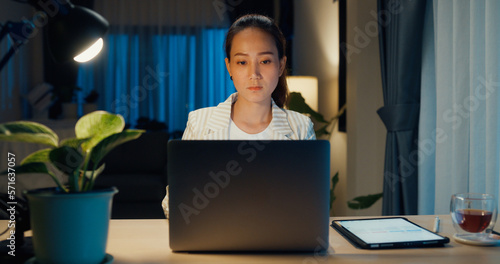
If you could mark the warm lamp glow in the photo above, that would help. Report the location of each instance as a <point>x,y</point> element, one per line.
<point>307,86</point>
<point>91,52</point>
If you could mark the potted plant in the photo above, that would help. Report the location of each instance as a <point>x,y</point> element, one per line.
<point>70,222</point>
<point>298,103</point>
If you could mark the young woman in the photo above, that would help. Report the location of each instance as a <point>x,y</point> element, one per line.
<point>256,61</point>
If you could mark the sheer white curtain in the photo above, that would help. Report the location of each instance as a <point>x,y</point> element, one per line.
<point>459,137</point>
<point>162,59</point>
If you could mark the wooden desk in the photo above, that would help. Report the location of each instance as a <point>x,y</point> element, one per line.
<point>146,241</point>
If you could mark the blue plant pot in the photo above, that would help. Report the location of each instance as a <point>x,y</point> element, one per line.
<point>70,227</point>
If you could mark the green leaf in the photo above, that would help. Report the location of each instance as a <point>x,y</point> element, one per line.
<point>37,167</point>
<point>74,142</point>
<point>363,202</point>
<point>26,131</point>
<point>93,174</point>
<point>109,143</point>
<point>97,126</point>
<point>298,103</point>
<point>322,131</point>
<point>38,156</point>
<point>90,177</point>
<point>66,159</point>
<point>335,180</point>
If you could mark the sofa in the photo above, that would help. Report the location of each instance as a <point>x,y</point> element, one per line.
<point>138,169</point>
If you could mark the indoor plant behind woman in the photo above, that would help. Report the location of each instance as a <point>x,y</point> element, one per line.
<point>69,222</point>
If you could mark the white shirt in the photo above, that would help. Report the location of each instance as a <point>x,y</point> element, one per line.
<point>212,123</point>
<point>235,133</point>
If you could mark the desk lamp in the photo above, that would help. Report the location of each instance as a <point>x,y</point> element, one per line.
<point>73,32</point>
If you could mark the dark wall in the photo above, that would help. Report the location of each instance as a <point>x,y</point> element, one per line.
<point>282,13</point>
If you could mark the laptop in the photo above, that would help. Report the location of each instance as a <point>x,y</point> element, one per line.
<point>236,195</point>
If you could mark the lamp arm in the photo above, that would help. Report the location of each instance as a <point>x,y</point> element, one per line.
<point>4,32</point>
<point>9,54</point>
<point>7,57</point>
<point>15,30</point>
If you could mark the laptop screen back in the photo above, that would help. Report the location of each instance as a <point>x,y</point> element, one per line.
<point>248,195</point>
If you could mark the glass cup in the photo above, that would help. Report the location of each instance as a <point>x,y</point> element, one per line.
<point>473,215</point>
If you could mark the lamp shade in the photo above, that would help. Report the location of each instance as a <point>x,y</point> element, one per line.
<point>73,30</point>
<point>307,86</point>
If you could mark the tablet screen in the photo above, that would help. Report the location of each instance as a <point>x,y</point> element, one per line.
<point>390,232</point>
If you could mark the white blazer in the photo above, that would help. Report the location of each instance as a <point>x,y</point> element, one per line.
<point>212,123</point>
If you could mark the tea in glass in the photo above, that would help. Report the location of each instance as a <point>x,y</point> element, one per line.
<point>473,215</point>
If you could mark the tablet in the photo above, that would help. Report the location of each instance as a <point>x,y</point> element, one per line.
<point>384,233</point>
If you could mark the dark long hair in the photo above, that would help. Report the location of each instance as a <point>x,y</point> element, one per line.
<point>280,94</point>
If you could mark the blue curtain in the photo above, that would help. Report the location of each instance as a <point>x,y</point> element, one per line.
<point>459,140</point>
<point>161,65</point>
<point>400,39</point>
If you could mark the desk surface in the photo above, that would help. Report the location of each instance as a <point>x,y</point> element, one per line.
<point>146,241</point>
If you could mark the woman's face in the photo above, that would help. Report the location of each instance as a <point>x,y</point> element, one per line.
<point>254,65</point>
